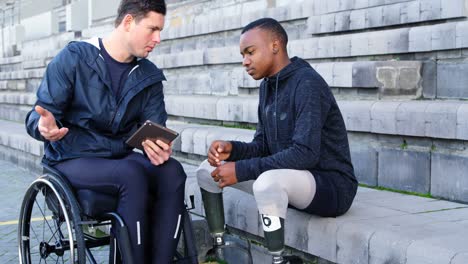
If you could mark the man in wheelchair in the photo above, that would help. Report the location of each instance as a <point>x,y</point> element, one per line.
<point>93,96</point>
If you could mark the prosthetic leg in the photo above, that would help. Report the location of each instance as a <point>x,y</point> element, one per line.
<point>214,211</point>
<point>273,230</point>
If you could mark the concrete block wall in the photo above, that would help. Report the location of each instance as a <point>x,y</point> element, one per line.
<point>328,17</point>
<point>397,68</point>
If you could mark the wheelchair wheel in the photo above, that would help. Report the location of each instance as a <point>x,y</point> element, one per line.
<point>49,228</point>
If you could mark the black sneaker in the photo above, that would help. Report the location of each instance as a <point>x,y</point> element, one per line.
<point>230,252</point>
<point>214,254</point>
<point>292,260</point>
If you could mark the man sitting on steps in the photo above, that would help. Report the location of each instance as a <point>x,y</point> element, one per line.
<point>299,156</point>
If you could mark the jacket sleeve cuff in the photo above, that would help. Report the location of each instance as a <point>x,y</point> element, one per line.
<point>243,173</point>
<point>236,149</point>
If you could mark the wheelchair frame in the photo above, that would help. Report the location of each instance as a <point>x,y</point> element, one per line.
<point>63,239</point>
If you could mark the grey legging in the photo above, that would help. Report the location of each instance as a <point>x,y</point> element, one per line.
<point>273,190</point>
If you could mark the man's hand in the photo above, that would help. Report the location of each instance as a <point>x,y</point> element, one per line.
<point>219,151</point>
<point>225,174</point>
<point>47,125</point>
<point>158,152</point>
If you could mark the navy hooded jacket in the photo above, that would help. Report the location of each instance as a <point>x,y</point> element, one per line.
<point>299,127</point>
<point>76,89</point>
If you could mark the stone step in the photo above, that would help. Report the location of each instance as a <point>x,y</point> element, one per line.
<point>432,119</point>
<point>434,167</point>
<point>22,74</point>
<point>381,227</point>
<point>423,38</point>
<point>330,18</point>
<point>390,77</point>
<point>16,85</point>
<point>238,108</point>
<point>31,64</point>
<point>46,47</point>
<point>98,31</point>
<point>228,17</point>
<point>11,60</point>
<point>15,113</point>
<point>17,98</point>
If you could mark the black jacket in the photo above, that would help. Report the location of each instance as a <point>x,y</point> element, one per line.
<point>299,127</point>
<point>76,89</point>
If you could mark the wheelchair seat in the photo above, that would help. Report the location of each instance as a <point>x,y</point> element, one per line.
<point>95,204</point>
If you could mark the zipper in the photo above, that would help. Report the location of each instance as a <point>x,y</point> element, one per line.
<point>264,107</point>
<point>123,95</point>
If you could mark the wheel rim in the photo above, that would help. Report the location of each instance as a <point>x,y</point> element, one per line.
<point>45,231</point>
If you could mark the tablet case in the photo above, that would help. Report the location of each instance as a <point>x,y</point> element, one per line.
<point>152,131</point>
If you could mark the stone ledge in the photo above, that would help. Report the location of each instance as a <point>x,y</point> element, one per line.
<point>228,18</point>
<point>433,119</point>
<point>378,229</point>
<point>18,98</point>
<point>46,47</point>
<point>391,77</point>
<point>14,135</point>
<point>425,38</point>
<point>238,108</point>
<point>381,227</point>
<point>423,165</point>
<point>22,74</point>
<point>16,85</point>
<point>388,14</point>
<point>11,60</point>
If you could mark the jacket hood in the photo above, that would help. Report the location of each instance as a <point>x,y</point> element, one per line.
<point>296,64</point>
<point>90,52</point>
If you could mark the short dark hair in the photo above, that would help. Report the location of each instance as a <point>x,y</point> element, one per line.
<point>271,25</point>
<point>138,9</point>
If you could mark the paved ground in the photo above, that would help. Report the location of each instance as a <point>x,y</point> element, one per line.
<point>13,181</point>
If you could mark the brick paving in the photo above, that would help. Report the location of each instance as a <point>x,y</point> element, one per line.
<point>13,181</point>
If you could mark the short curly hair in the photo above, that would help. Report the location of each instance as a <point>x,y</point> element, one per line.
<point>271,25</point>
<point>138,9</point>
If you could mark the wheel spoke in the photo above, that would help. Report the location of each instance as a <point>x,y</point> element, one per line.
<point>56,231</point>
<point>35,235</point>
<point>44,217</point>
<point>43,214</point>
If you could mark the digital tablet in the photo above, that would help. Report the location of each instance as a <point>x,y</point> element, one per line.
<point>152,131</point>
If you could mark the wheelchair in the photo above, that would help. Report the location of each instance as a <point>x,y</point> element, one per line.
<point>58,224</point>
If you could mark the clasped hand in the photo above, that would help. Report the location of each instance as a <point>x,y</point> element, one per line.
<point>225,173</point>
